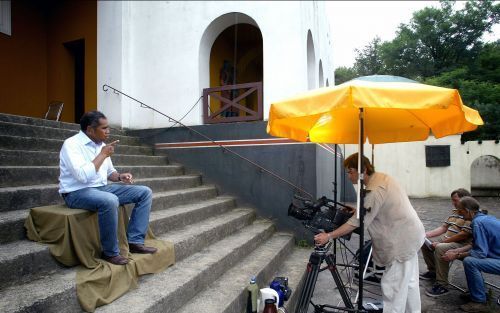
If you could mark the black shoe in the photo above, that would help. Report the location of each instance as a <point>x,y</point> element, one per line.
<point>428,276</point>
<point>475,307</point>
<point>138,248</point>
<point>371,278</point>
<point>465,297</point>
<point>436,291</point>
<point>116,260</point>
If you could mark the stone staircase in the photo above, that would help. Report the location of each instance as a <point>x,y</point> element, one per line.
<point>218,245</point>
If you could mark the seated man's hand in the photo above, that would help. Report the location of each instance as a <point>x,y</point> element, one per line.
<point>434,244</point>
<point>321,239</point>
<point>126,178</point>
<point>109,149</point>
<point>449,256</point>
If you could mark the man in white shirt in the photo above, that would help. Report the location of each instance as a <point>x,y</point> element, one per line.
<point>396,232</point>
<point>85,168</point>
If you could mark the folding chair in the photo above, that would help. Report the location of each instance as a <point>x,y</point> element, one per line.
<point>450,276</point>
<point>54,110</point>
<point>487,283</point>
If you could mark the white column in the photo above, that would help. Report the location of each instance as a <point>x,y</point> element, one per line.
<point>109,59</point>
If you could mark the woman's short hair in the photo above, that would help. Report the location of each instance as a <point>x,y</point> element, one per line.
<point>91,119</point>
<point>352,162</point>
<point>469,203</point>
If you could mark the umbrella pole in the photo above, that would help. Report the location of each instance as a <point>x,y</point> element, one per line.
<point>335,179</point>
<point>335,199</point>
<point>361,209</point>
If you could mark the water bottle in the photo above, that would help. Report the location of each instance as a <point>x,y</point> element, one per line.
<point>270,306</point>
<point>253,295</point>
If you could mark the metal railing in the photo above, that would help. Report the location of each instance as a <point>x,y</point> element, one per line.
<point>230,98</point>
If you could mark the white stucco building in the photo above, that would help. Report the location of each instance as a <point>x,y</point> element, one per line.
<point>473,165</point>
<point>165,53</point>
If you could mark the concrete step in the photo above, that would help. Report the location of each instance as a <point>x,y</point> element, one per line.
<point>12,222</point>
<point>170,290</point>
<point>160,184</point>
<point>228,293</point>
<point>19,119</point>
<point>46,158</point>
<point>162,222</point>
<point>24,130</point>
<point>25,197</point>
<point>37,121</point>
<point>12,226</point>
<point>54,145</point>
<point>294,267</point>
<point>12,176</point>
<point>170,199</point>
<point>22,261</point>
<point>56,292</point>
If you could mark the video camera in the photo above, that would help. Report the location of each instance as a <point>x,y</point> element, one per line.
<point>320,215</point>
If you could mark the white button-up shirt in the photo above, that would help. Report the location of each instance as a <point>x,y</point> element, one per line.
<point>77,169</point>
<point>393,224</point>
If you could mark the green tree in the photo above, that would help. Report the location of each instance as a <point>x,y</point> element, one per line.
<point>443,47</point>
<point>435,40</point>
<point>483,96</point>
<point>368,60</point>
<point>343,74</point>
<point>487,65</point>
<point>451,38</point>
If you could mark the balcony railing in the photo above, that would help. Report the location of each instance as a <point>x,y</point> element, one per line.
<point>229,98</point>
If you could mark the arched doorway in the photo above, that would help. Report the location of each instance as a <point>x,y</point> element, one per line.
<point>311,61</point>
<point>235,70</point>
<point>485,176</point>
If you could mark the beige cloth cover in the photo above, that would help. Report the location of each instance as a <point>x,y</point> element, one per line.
<point>73,235</point>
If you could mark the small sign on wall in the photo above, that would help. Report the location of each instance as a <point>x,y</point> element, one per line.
<point>5,18</point>
<point>436,156</point>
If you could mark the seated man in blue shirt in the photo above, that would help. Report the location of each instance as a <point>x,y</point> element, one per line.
<point>86,167</point>
<point>484,255</point>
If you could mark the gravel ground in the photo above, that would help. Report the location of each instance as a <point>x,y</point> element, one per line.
<point>432,212</point>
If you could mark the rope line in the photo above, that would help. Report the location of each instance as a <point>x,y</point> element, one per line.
<point>224,148</point>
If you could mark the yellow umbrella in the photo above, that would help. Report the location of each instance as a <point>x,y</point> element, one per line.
<point>393,112</point>
<point>381,108</point>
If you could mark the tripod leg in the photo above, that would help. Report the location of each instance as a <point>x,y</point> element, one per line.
<point>368,259</point>
<point>310,282</point>
<point>338,281</point>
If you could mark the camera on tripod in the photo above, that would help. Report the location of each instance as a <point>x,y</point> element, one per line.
<point>320,215</point>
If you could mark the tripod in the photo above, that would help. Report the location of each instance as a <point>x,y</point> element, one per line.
<point>320,254</point>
